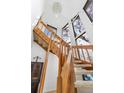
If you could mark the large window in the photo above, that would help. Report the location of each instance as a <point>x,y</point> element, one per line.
<point>80,37</point>
<point>77,26</point>
<point>65,33</point>
<point>79,31</point>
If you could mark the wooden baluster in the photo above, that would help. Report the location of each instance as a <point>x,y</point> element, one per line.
<point>77,55</point>
<point>43,74</point>
<point>73,52</point>
<point>83,54</point>
<point>63,56</point>
<point>88,55</point>
<point>58,46</point>
<point>59,80</point>
<point>65,52</point>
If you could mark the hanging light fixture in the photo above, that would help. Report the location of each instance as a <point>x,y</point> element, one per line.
<point>57,8</point>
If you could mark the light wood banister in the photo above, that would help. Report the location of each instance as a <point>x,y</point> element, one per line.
<point>83,54</point>
<point>88,55</point>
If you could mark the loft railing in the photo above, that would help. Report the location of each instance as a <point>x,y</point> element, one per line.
<point>42,34</point>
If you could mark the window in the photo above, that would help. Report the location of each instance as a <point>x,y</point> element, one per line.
<point>79,31</point>
<point>77,26</point>
<point>80,36</point>
<point>47,32</point>
<point>65,33</point>
<point>88,8</point>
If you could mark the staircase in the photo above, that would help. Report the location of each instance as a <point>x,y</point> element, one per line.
<point>71,64</point>
<point>83,66</point>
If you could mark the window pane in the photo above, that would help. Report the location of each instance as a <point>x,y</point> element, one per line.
<point>47,32</point>
<point>81,41</point>
<point>78,26</point>
<point>65,34</point>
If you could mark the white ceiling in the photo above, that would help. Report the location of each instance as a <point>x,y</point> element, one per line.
<point>69,9</point>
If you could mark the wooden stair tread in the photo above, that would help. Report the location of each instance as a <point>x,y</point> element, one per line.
<point>81,83</point>
<point>82,65</point>
<point>82,71</point>
<point>88,68</point>
<point>81,62</point>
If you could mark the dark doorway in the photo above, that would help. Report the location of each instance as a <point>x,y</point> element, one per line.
<point>36,68</point>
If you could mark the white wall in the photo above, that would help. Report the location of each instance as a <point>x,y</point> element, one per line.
<point>36,11</point>
<point>36,50</point>
<point>51,73</point>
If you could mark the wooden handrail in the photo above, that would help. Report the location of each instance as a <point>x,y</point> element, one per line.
<point>84,46</point>
<point>65,52</point>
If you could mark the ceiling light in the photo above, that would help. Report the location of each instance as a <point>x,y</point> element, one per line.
<point>57,8</point>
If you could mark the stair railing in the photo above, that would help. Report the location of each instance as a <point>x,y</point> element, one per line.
<point>83,53</point>
<point>65,53</point>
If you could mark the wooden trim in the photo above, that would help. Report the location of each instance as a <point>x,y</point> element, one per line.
<point>52,27</point>
<point>65,26</point>
<point>74,18</point>
<point>80,35</point>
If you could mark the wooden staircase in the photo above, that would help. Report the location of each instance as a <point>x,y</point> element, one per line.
<point>69,59</point>
<point>83,65</point>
